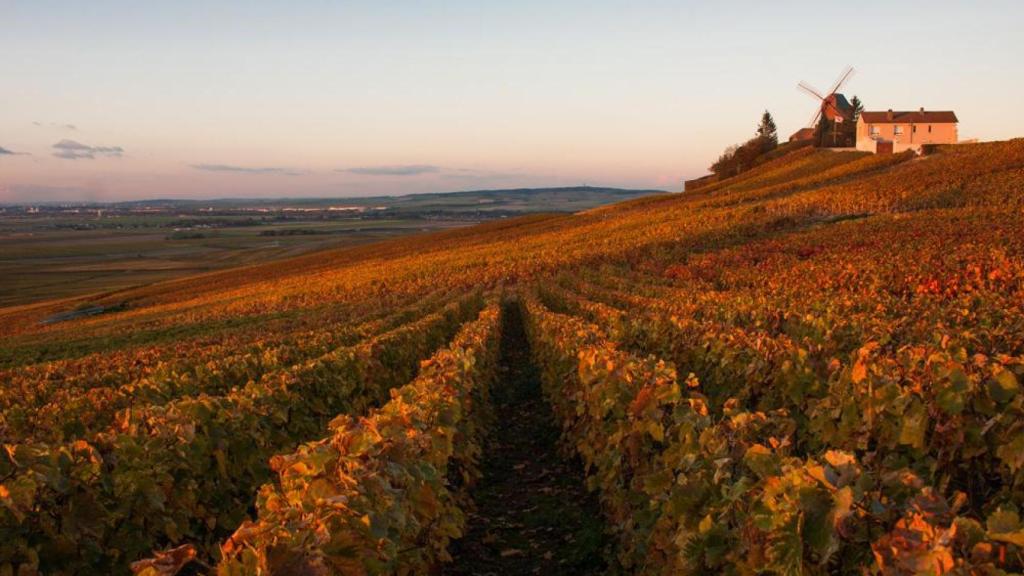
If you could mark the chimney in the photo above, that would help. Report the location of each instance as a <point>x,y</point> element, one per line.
<point>922,109</point>
<point>888,115</point>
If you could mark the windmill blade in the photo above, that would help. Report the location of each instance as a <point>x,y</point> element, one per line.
<point>810,90</point>
<point>842,79</point>
<point>814,120</point>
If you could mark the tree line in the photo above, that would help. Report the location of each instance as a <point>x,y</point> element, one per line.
<point>740,157</point>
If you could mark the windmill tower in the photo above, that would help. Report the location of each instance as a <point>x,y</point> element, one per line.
<point>832,106</point>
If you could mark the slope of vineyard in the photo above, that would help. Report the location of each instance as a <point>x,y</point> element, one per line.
<point>812,368</point>
<point>346,491</point>
<point>213,451</point>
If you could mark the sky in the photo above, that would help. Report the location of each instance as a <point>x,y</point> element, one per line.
<point>113,100</point>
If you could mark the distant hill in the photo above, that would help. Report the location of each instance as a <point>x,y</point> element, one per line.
<point>488,203</point>
<point>519,200</point>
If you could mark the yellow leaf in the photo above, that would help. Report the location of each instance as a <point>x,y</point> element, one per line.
<point>859,372</point>
<point>656,431</point>
<point>706,524</point>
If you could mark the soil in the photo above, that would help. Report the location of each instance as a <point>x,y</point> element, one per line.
<point>533,514</point>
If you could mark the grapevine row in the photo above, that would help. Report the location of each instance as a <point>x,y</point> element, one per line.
<point>383,493</point>
<point>188,469</point>
<point>739,491</point>
<point>34,385</point>
<point>72,410</point>
<point>926,404</point>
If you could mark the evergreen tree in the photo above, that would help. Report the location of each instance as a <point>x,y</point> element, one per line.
<point>767,128</point>
<point>857,108</point>
<point>767,132</point>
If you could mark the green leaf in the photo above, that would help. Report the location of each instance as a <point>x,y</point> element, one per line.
<point>761,461</point>
<point>969,530</point>
<point>659,482</point>
<point>1003,521</point>
<point>817,529</point>
<point>1003,387</point>
<point>914,425</point>
<point>1004,526</point>
<point>1012,453</point>
<point>950,398</point>
<point>786,549</point>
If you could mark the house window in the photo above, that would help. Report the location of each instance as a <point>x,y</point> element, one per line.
<point>929,128</point>
<point>874,130</point>
<point>898,130</point>
<point>913,129</point>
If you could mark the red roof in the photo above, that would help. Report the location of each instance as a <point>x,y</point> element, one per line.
<point>915,117</point>
<point>802,134</point>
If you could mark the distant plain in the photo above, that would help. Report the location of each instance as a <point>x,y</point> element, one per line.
<point>58,251</point>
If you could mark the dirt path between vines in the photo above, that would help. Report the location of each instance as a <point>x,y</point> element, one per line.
<point>533,514</point>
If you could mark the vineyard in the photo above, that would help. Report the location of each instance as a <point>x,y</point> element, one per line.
<point>813,368</point>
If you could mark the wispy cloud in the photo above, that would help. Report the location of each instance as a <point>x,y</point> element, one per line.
<point>247,169</point>
<point>72,150</point>
<point>400,170</point>
<point>6,152</point>
<point>71,127</point>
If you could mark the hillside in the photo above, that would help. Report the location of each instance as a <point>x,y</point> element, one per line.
<point>811,368</point>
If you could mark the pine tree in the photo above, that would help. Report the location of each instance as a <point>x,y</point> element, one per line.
<point>767,132</point>
<point>855,103</point>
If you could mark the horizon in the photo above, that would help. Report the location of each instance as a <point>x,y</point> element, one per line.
<point>116,102</point>
<point>73,202</point>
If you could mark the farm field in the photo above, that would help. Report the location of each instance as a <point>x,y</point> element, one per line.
<point>59,251</point>
<point>814,367</point>
<point>49,264</point>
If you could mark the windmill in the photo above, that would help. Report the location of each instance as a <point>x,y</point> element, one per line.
<point>833,106</point>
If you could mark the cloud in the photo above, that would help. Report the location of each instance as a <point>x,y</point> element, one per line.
<point>247,169</point>
<point>401,170</point>
<point>6,152</point>
<point>71,150</point>
<point>56,125</point>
